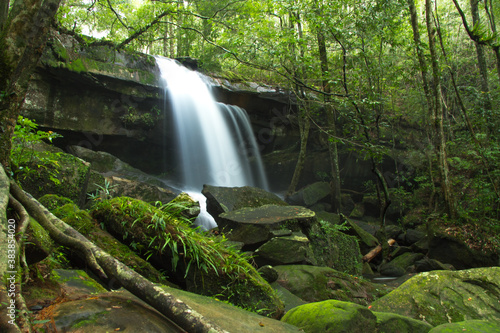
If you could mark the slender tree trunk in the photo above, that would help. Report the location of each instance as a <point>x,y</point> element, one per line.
<point>420,54</point>
<point>481,60</point>
<point>304,122</point>
<point>4,13</point>
<point>490,13</point>
<point>438,115</point>
<point>305,125</point>
<point>330,111</point>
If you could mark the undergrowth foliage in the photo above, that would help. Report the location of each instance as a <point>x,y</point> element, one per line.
<point>26,160</point>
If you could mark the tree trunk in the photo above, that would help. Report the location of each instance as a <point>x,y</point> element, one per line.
<point>22,41</point>
<point>481,60</point>
<point>420,54</point>
<point>4,13</point>
<point>330,115</point>
<point>305,125</point>
<point>438,115</point>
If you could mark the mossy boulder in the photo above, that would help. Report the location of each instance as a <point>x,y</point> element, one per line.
<point>332,317</point>
<point>391,322</point>
<point>53,201</point>
<point>476,326</point>
<point>59,173</point>
<point>311,194</point>
<point>225,199</point>
<point>401,264</point>
<point>252,225</point>
<point>336,316</point>
<point>313,284</point>
<point>366,240</point>
<point>293,249</point>
<point>440,297</point>
<point>188,206</point>
<point>86,225</point>
<point>76,282</point>
<point>335,249</point>
<point>199,262</point>
<point>451,245</point>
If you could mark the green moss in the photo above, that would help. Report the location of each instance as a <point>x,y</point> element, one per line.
<point>53,201</point>
<point>446,296</point>
<point>76,66</point>
<point>80,220</point>
<point>468,326</point>
<point>331,316</point>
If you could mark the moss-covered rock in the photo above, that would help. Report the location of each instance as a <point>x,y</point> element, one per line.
<point>400,265</point>
<point>440,297</point>
<point>86,225</point>
<point>200,262</point>
<point>294,249</point>
<point>225,199</point>
<point>391,322</point>
<point>60,173</point>
<point>367,241</point>
<point>335,249</point>
<point>336,316</point>
<point>76,282</point>
<point>314,284</point>
<point>252,225</point>
<point>310,195</point>
<point>332,317</point>
<point>476,326</point>
<point>53,201</point>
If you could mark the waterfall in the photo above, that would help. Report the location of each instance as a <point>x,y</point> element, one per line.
<point>215,141</point>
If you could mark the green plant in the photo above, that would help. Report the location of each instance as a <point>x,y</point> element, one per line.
<point>26,160</point>
<point>103,192</point>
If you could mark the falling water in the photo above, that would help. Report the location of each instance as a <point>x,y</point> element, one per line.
<point>215,141</point>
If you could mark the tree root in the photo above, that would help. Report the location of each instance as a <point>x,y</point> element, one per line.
<point>45,218</point>
<point>106,265</point>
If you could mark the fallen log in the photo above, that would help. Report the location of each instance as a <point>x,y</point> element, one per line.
<point>375,251</point>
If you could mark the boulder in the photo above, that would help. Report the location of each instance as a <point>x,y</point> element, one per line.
<point>81,221</point>
<point>332,316</point>
<point>294,249</point>
<point>400,265</point>
<point>254,225</point>
<point>394,323</point>
<point>123,187</point>
<point>440,297</point>
<point>446,248</point>
<point>188,207</point>
<point>310,195</point>
<point>478,326</point>
<point>62,174</point>
<point>268,273</point>
<point>313,284</point>
<point>335,249</point>
<point>367,240</point>
<point>426,265</point>
<point>225,199</point>
<point>338,317</point>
